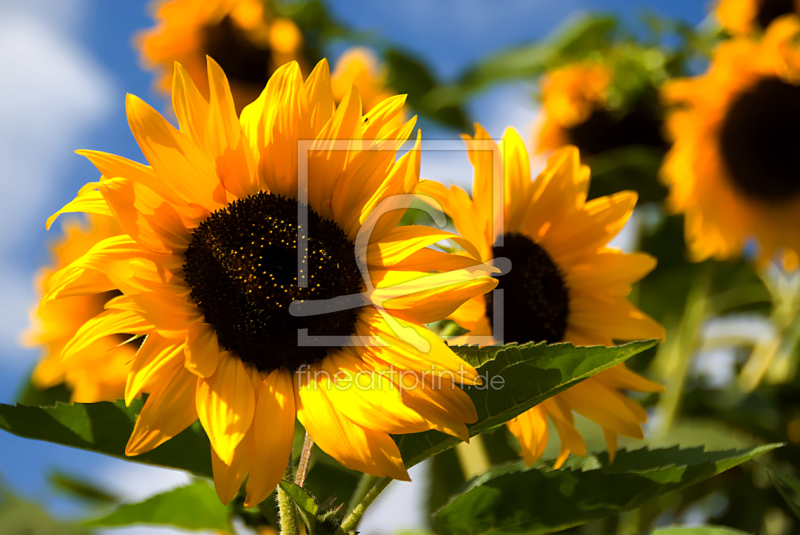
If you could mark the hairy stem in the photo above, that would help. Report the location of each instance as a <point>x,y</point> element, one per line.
<point>286,507</point>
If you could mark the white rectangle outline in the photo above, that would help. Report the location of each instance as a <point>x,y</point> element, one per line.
<point>304,147</point>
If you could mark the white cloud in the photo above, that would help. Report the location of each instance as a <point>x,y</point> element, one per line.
<point>53,93</point>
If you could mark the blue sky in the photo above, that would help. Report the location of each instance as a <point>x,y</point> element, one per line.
<point>66,66</point>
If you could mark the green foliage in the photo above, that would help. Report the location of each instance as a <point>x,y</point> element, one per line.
<point>632,167</point>
<point>698,530</point>
<point>195,506</point>
<point>516,499</point>
<point>78,488</point>
<point>528,373</point>
<point>105,427</point>
<point>19,516</point>
<point>306,504</point>
<point>35,397</point>
<point>410,76</point>
<point>577,37</point>
<point>789,487</point>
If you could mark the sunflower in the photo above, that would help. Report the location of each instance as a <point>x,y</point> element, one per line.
<point>360,67</point>
<point>746,16</point>
<point>246,326</point>
<point>565,283</point>
<point>575,111</point>
<point>736,128</point>
<point>99,371</point>
<point>238,34</point>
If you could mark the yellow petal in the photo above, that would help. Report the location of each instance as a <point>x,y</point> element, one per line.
<point>165,310</point>
<point>190,107</point>
<point>225,405</point>
<point>202,349</point>
<point>233,158</point>
<point>368,397</point>
<point>273,431</point>
<point>320,99</point>
<point>105,324</point>
<point>169,409</point>
<point>530,430</point>
<point>180,163</point>
<point>156,356</point>
<point>88,201</point>
<point>228,478</point>
<point>149,219</point>
<point>353,446</point>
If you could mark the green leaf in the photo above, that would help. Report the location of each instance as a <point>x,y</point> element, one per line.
<point>81,489</point>
<point>104,428</point>
<point>577,37</point>
<point>20,516</point>
<point>29,394</point>
<point>194,506</point>
<point>698,530</point>
<point>633,167</point>
<point>410,76</point>
<point>789,487</point>
<point>516,499</point>
<point>305,504</point>
<point>516,378</point>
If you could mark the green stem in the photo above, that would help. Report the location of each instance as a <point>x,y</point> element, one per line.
<point>674,356</point>
<point>286,507</point>
<point>364,484</point>
<point>351,522</point>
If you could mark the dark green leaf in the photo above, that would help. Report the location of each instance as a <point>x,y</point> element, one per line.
<point>79,488</point>
<point>516,378</point>
<point>305,503</point>
<point>789,487</point>
<point>36,397</point>
<point>516,499</point>
<point>194,506</point>
<point>105,427</point>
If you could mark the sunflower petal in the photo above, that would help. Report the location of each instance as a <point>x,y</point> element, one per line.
<point>202,350</point>
<point>169,409</point>
<point>156,355</point>
<point>225,405</point>
<point>355,447</point>
<point>228,478</point>
<point>273,430</point>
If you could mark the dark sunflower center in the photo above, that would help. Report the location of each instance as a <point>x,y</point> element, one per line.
<point>760,140</point>
<point>535,300</point>
<point>240,58</point>
<point>242,267</point>
<point>769,10</point>
<point>603,131</point>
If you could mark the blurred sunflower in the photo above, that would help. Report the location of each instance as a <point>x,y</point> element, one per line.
<point>239,34</point>
<point>208,270</point>
<point>565,283</point>
<point>98,372</point>
<point>575,111</point>
<point>359,66</point>
<point>745,16</point>
<point>733,166</point>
